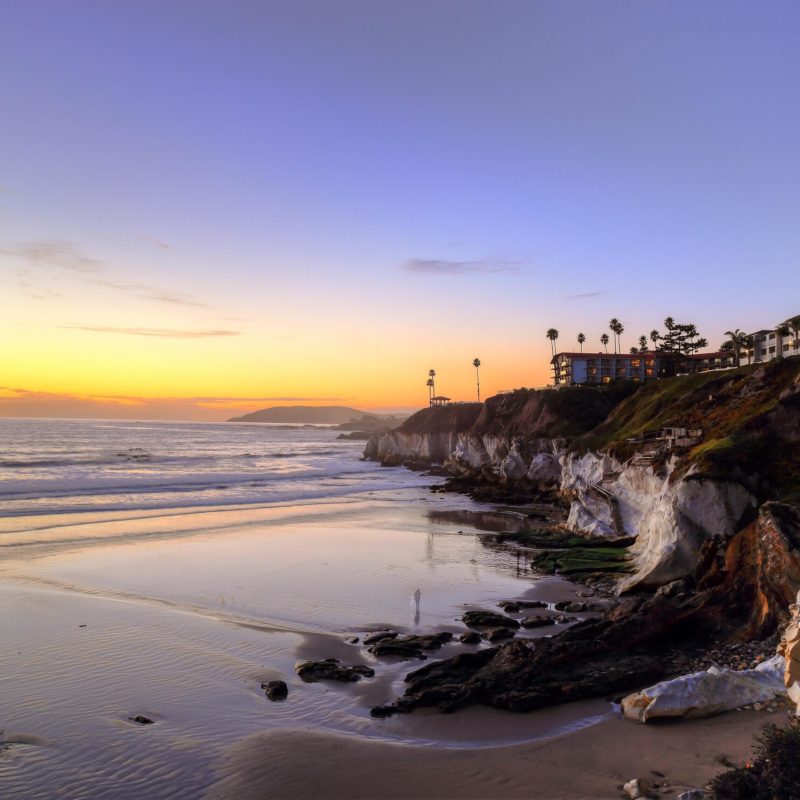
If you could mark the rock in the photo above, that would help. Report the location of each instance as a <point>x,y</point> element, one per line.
<point>537,621</point>
<point>789,648</point>
<point>352,640</point>
<point>331,669</point>
<point>470,637</point>
<point>509,606</point>
<point>141,720</point>
<point>488,619</point>
<point>639,788</point>
<point>496,634</point>
<point>581,606</point>
<point>410,646</point>
<point>702,694</point>
<point>372,638</point>
<point>276,690</point>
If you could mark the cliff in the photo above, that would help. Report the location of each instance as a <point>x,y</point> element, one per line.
<point>509,433</point>
<point>601,450</point>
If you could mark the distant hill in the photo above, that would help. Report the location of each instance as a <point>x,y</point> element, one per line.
<point>303,415</point>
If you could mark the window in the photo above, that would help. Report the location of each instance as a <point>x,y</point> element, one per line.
<point>635,363</point>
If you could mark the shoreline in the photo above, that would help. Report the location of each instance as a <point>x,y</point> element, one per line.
<point>155,651</point>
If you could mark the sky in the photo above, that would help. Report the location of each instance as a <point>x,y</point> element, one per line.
<point>212,207</point>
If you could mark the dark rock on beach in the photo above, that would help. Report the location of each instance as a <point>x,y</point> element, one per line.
<point>470,637</point>
<point>539,621</point>
<point>488,619</point>
<point>139,719</point>
<point>332,669</point>
<point>372,638</point>
<point>410,646</point>
<point>496,634</point>
<point>276,690</point>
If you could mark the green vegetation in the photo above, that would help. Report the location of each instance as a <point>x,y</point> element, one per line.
<point>583,560</point>
<point>775,773</point>
<point>745,433</point>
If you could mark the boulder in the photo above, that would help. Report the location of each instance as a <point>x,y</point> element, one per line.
<point>410,646</point>
<point>538,621</point>
<point>276,690</point>
<point>331,669</point>
<point>372,638</point>
<point>702,694</point>
<point>470,637</point>
<point>789,648</point>
<point>488,619</point>
<point>496,634</point>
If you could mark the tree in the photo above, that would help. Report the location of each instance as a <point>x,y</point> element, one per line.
<point>552,335</point>
<point>794,327</point>
<point>634,351</point>
<point>581,340</point>
<point>654,337</point>
<point>782,331</point>
<point>604,341</point>
<point>737,341</point>
<point>430,391</point>
<point>642,344</point>
<point>477,364</point>
<point>614,326</point>
<point>432,377</point>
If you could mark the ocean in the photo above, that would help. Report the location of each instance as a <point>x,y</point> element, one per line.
<point>67,466</point>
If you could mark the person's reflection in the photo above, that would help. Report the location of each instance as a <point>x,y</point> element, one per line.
<point>417,597</point>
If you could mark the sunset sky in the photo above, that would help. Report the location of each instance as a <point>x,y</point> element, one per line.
<point>210,207</point>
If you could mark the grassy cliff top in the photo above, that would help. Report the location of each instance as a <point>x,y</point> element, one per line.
<point>750,418</point>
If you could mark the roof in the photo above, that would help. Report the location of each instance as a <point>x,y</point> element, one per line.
<point>651,353</point>
<point>601,354</point>
<point>440,397</point>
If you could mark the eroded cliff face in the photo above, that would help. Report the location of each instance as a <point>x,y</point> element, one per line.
<point>750,453</point>
<point>515,437</point>
<point>671,520</point>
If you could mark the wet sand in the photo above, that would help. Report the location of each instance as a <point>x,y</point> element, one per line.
<point>180,617</point>
<point>589,763</point>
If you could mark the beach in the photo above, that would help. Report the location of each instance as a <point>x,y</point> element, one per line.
<point>179,614</point>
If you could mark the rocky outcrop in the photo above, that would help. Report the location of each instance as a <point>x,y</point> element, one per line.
<point>789,649</point>
<point>702,694</point>
<point>513,439</point>
<point>740,592</point>
<point>671,520</point>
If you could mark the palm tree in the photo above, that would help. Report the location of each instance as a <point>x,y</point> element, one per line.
<point>654,337</point>
<point>613,325</point>
<point>782,331</point>
<point>432,381</point>
<point>581,340</point>
<point>619,331</point>
<point>477,364</point>
<point>794,327</point>
<point>430,391</point>
<point>552,335</point>
<point>737,340</point>
<point>604,341</point>
<point>642,344</point>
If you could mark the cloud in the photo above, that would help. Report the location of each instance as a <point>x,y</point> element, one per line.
<point>166,333</point>
<point>49,254</point>
<point>18,402</point>
<point>445,267</point>
<point>157,242</point>
<point>54,253</point>
<point>583,295</point>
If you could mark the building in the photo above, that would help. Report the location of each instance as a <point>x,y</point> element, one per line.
<point>769,344</point>
<point>591,369</point>
<point>440,400</point>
